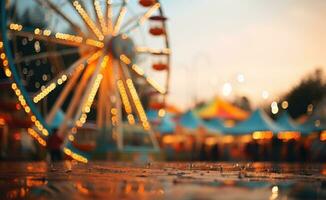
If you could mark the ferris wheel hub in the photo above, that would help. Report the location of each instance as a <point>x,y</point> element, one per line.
<point>119,45</point>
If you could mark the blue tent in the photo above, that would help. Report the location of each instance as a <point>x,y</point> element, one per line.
<point>288,124</point>
<point>258,121</point>
<point>167,125</point>
<point>216,125</point>
<point>311,125</point>
<point>152,115</point>
<point>190,120</point>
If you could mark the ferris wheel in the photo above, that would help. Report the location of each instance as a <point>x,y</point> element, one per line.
<point>89,65</point>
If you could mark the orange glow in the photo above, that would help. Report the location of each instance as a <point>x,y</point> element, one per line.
<point>229,182</point>
<point>128,188</point>
<point>211,141</point>
<point>17,136</point>
<point>2,122</point>
<point>323,172</point>
<point>260,135</point>
<point>229,123</point>
<point>246,138</point>
<point>81,188</point>
<point>227,139</point>
<point>323,136</point>
<point>170,139</point>
<point>141,188</point>
<point>288,135</point>
<point>32,182</point>
<point>90,69</point>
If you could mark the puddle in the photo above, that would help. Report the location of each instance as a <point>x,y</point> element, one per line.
<point>103,180</point>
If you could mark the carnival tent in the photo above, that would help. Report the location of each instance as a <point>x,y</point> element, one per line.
<point>173,110</point>
<point>313,124</point>
<point>216,125</point>
<point>219,108</point>
<point>258,121</point>
<point>164,124</point>
<point>167,124</point>
<point>289,124</point>
<point>190,120</point>
<point>152,115</point>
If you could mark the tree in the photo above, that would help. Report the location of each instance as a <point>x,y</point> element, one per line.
<point>311,90</point>
<point>243,102</point>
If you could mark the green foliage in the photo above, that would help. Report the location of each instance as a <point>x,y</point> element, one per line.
<point>311,90</point>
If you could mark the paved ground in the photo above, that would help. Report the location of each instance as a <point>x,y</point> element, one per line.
<point>107,180</point>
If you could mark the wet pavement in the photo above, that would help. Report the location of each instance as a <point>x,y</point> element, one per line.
<point>160,180</point>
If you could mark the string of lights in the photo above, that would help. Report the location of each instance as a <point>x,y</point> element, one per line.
<point>125,101</point>
<point>141,73</point>
<point>89,22</point>
<point>60,38</point>
<point>100,16</point>
<point>119,20</point>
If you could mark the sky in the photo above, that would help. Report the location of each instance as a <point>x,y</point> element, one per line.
<point>268,45</point>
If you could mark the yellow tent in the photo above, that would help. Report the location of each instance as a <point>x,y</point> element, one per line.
<point>219,108</point>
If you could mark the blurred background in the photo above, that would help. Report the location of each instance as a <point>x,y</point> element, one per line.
<point>247,83</point>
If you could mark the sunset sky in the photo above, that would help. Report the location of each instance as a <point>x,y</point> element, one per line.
<point>273,44</point>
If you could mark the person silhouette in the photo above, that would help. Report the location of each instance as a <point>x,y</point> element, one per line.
<point>54,146</point>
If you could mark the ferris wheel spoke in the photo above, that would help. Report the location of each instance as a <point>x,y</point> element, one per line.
<point>46,38</point>
<point>138,105</point>
<point>109,16</point>
<point>30,58</point>
<point>91,26</point>
<point>100,16</point>
<point>81,63</point>
<point>60,79</point>
<point>103,108</point>
<point>125,96</point>
<point>144,17</point>
<point>75,100</point>
<point>63,95</point>
<point>110,92</point>
<point>118,22</point>
<point>165,51</point>
<point>107,115</point>
<point>100,114</point>
<point>140,72</point>
<point>90,92</point>
<point>135,99</point>
<point>55,9</point>
<point>132,21</point>
<point>116,115</point>
<point>121,85</point>
<point>57,38</point>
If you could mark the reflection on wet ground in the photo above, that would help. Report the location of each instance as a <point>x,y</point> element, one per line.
<point>112,180</point>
